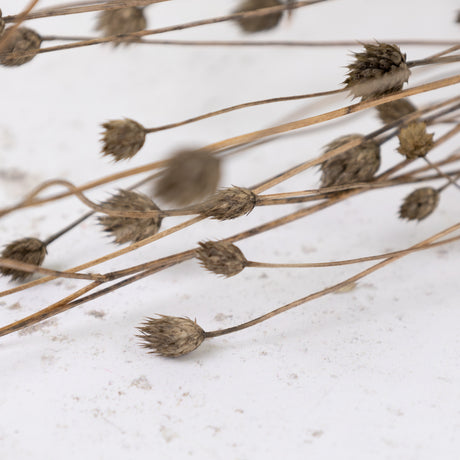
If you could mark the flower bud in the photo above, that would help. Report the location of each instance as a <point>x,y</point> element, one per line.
<point>122,139</point>
<point>414,141</point>
<point>258,23</point>
<point>419,204</point>
<point>18,45</point>
<point>394,110</point>
<point>229,203</point>
<point>221,258</point>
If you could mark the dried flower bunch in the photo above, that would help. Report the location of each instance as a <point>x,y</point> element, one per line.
<point>188,179</point>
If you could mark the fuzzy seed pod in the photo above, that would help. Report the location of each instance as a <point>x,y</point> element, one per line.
<point>2,23</point>
<point>380,69</point>
<point>130,229</point>
<point>419,204</point>
<point>171,336</point>
<point>414,141</point>
<point>122,139</point>
<point>258,23</point>
<point>27,250</point>
<point>20,42</point>
<point>189,177</point>
<point>221,258</point>
<point>394,110</point>
<point>121,21</point>
<point>358,164</point>
<point>230,203</point>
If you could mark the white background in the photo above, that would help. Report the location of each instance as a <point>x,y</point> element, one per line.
<point>371,373</point>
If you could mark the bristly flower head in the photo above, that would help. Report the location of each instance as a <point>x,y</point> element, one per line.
<point>171,336</point>
<point>229,203</point>
<point>221,258</point>
<point>414,141</point>
<point>258,23</point>
<point>130,229</point>
<point>121,21</point>
<point>394,110</point>
<point>380,69</point>
<point>419,204</point>
<point>190,176</point>
<point>27,250</point>
<point>122,139</point>
<point>358,164</point>
<point>18,45</point>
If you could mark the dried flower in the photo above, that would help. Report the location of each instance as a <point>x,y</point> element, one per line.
<point>258,23</point>
<point>121,21</point>
<point>230,203</point>
<point>394,110</point>
<point>221,258</point>
<point>126,229</point>
<point>27,250</point>
<point>18,43</point>
<point>380,69</point>
<point>414,141</point>
<point>122,139</point>
<point>171,336</point>
<point>2,23</point>
<point>358,164</point>
<point>189,177</point>
<point>419,204</point>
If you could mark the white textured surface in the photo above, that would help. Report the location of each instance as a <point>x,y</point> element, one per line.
<point>372,373</point>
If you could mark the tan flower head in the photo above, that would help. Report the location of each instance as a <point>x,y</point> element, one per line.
<point>258,23</point>
<point>229,203</point>
<point>221,258</point>
<point>122,139</point>
<point>18,46</point>
<point>394,110</point>
<point>419,204</point>
<point>414,141</point>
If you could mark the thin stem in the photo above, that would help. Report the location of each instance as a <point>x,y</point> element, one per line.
<point>437,60</point>
<point>441,173</point>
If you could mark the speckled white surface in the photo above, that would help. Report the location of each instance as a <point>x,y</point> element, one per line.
<point>370,373</point>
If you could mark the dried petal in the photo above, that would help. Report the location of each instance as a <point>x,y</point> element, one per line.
<point>394,110</point>
<point>414,141</point>
<point>358,164</point>
<point>221,258</point>
<point>27,250</point>
<point>258,23</point>
<point>171,336</point>
<point>19,43</point>
<point>419,204</point>
<point>122,139</point>
<point>130,229</point>
<point>230,203</point>
<point>121,21</point>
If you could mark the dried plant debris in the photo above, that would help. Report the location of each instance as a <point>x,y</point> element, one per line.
<point>414,141</point>
<point>26,250</point>
<point>230,203</point>
<point>221,258</point>
<point>381,69</point>
<point>258,23</point>
<point>122,139</point>
<point>2,23</point>
<point>358,164</point>
<point>21,46</point>
<point>130,229</point>
<point>419,204</point>
<point>171,336</point>
<point>121,21</point>
<point>191,175</point>
<point>395,110</point>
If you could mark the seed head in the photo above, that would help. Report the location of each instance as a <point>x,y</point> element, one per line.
<point>221,258</point>
<point>122,139</point>
<point>414,141</point>
<point>121,21</point>
<point>130,229</point>
<point>258,23</point>
<point>394,110</point>
<point>171,336</point>
<point>229,203</point>
<point>189,177</point>
<point>380,69</point>
<point>419,204</point>
<point>358,164</point>
<point>27,250</point>
<point>18,43</point>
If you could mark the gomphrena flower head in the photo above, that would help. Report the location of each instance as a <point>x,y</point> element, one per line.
<point>419,204</point>
<point>190,176</point>
<point>121,21</point>
<point>229,203</point>
<point>380,69</point>
<point>171,336</point>
<point>258,23</point>
<point>21,46</point>
<point>414,141</point>
<point>394,110</point>
<point>2,23</point>
<point>122,139</point>
<point>130,229</point>
<point>358,164</point>
<point>27,250</point>
<point>221,258</point>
